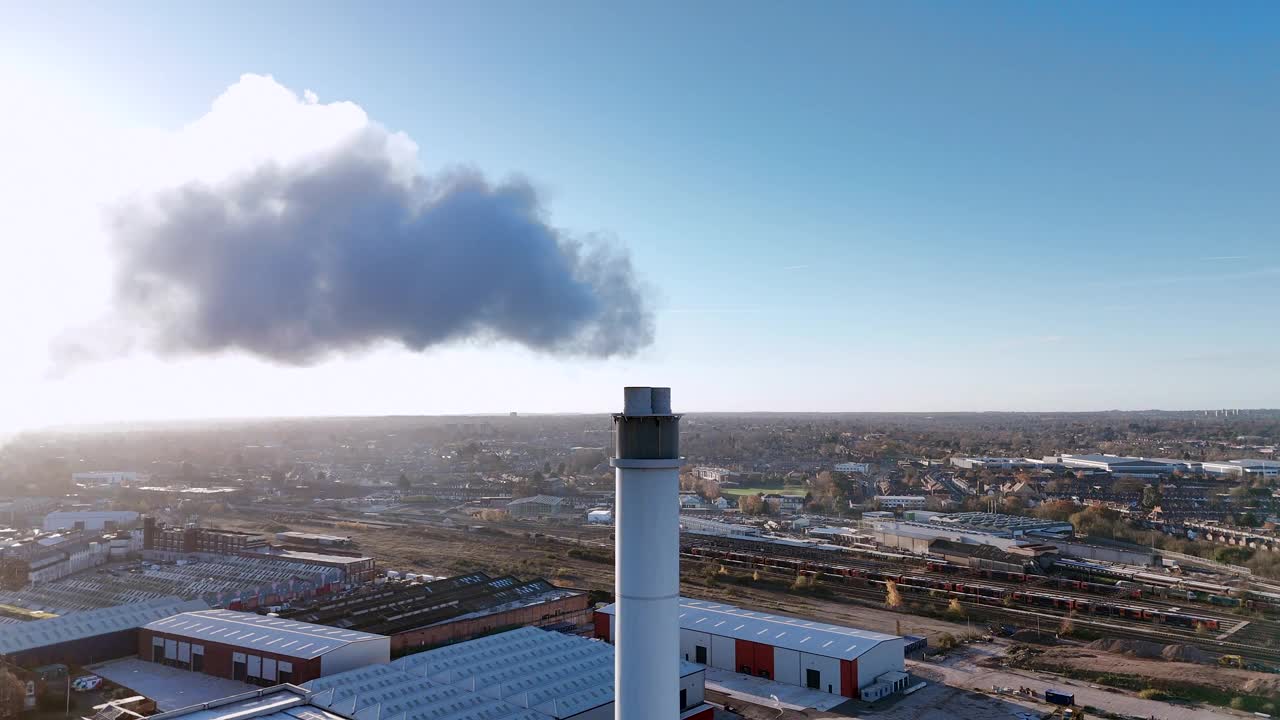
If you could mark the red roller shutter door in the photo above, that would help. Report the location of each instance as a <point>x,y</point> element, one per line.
<point>764,660</point>
<point>849,678</point>
<point>744,654</point>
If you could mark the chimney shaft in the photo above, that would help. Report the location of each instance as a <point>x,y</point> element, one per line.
<point>647,524</point>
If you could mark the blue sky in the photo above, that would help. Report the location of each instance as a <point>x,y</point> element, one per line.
<point>844,206</point>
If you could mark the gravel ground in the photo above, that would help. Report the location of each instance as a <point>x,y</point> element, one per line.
<point>962,670</point>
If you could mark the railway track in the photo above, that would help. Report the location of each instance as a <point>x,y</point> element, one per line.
<point>1154,598</point>
<point>988,609</point>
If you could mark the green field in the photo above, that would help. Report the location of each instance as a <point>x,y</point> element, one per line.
<point>757,490</point>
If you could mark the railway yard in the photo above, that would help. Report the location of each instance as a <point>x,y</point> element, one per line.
<point>1250,629</point>
<point>1034,622</point>
<point>1217,615</point>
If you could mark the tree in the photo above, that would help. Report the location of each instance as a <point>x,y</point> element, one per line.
<point>752,505</point>
<point>403,482</point>
<point>1127,486</point>
<point>14,693</point>
<point>892,597</point>
<point>1151,496</point>
<point>955,609</point>
<point>1068,625</point>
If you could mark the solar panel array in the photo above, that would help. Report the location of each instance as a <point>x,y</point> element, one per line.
<point>215,581</point>
<point>525,674</point>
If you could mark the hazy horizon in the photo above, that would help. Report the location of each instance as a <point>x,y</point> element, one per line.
<point>243,211</point>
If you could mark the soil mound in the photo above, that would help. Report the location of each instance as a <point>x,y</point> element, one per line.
<point>1136,648</point>
<point>1028,635</point>
<point>1184,653</point>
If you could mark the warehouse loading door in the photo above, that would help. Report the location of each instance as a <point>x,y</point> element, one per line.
<point>813,679</point>
<point>700,654</point>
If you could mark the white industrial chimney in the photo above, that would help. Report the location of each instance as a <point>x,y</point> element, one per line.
<point>646,441</point>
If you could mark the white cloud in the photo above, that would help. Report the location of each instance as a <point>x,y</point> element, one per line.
<point>65,164</point>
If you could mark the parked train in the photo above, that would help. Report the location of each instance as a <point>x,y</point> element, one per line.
<point>1176,586</point>
<point>979,592</point>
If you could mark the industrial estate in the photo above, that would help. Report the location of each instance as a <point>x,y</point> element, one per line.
<point>645,565</point>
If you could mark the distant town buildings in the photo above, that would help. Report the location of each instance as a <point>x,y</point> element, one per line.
<point>106,477</point>
<point>1243,468</point>
<point>785,502</point>
<point>714,474</point>
<point>994,463</point>
<point>1120,466</point>
<point>192,539</point>
<point>539,506</point>
<point>853,467</point>
<point>88,520</point>
<point>916,502</point>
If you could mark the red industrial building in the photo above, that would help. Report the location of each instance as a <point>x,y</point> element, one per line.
<point>257,649</point>
<point>839,660</point>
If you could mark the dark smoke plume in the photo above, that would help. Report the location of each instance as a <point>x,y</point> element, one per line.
<point>337,253</point>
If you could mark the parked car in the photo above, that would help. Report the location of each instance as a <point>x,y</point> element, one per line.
<point>86,683</point>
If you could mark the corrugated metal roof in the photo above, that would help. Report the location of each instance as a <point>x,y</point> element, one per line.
<point>261,632</point>
<point>790,633</point>
<point>524,674</point>
<point>91,623</point>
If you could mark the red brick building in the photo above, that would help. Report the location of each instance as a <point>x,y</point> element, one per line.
<point>257,649</point>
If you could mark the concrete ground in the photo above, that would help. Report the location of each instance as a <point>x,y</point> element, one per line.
<point>958,689</point>
<point>171,688</point>
<point>759,691</point>
<point>940,702</point>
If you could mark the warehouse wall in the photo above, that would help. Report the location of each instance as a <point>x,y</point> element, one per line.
<point>690,641</point>
<point>573,609</point>
<point>723,653</point>
<point>601,712</point>
<point>827,667</point>
<point>694,688</point>
<point>375,651</point>
<point>219,659</point>
<point>84,651</point>
<point>880,659</point>
<point>786,666</point>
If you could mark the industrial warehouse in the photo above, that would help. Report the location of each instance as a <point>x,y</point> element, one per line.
<point>525,674</point>
<point>235,581</point>
<point>87,637</point>
<point>420,615</point>
<point>257,649</point>
<point>838,660</point>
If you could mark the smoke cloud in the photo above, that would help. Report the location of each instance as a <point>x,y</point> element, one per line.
<point>342,245</point>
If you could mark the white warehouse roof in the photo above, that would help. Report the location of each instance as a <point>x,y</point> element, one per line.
<point>260,632</point>
<point>835,641</point>
<point>91,623</point>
